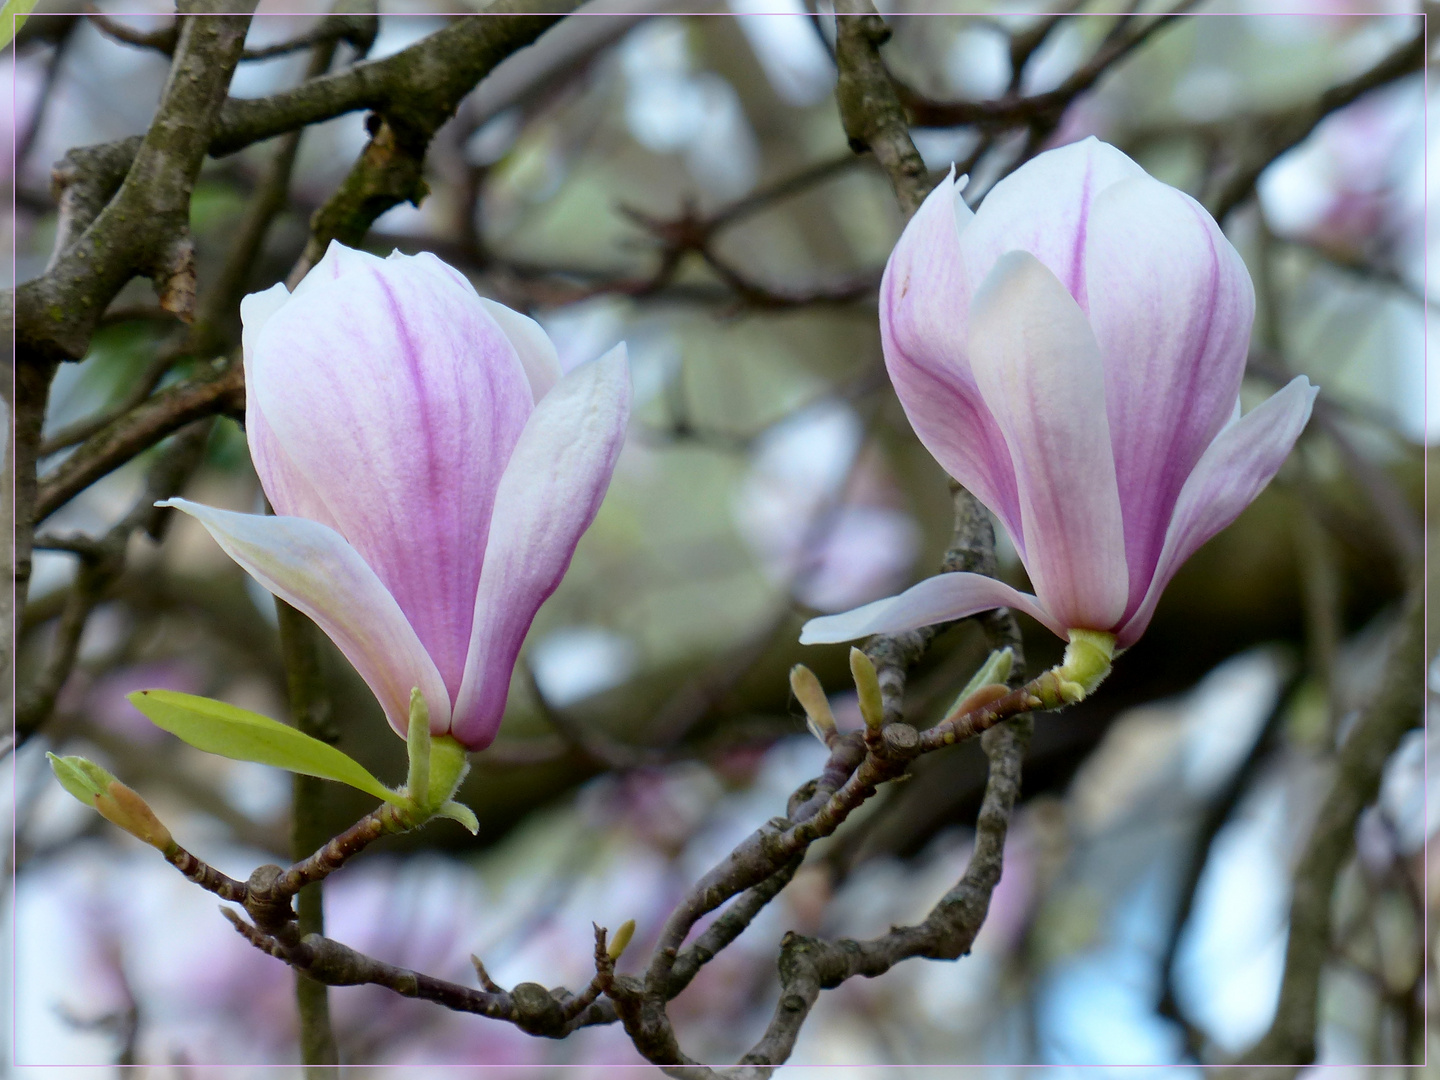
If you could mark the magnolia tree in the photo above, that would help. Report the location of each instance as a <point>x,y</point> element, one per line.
<point>1065,327</point>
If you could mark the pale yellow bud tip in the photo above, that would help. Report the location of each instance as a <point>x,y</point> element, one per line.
<point>811,696</point>
<point>621,939</point>
<point>867,685</point>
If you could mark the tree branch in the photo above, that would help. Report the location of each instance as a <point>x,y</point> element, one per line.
<point>218,390</point>
<point>415,89</point>
<point>1262,139</point>
<point>268,199</point>
<point>421,92</point>
<point>869,110</point>
<point>102,561</point>
<point>1038,110</point>
<point>1395,709</point>
<point>357,28</point>
<point>809,965</point>
<point>310,713</point>
<point>145,227</point>
<point>332,964</point>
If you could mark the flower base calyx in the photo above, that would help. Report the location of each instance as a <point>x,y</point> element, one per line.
<point>437,766</point>
<point>1084,667</point>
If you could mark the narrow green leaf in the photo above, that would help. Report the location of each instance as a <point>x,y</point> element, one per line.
<point>232,732</point>
<point>459,812</point>
<point>12,17</point>
<point>996,669</point>
<point>417,743</point>
<point>80,777</point>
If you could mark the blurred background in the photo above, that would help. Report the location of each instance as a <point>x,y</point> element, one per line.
<point>769,474</point>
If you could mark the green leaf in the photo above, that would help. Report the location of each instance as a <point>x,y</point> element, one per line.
<point>232,732</point>
<point>417,743</point>
<point>459,812</point>
<point>80,777</point>
<point>996,669</point>
<point>12,17</point>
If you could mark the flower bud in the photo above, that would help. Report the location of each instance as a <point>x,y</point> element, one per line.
<point>80,777</point>
<point>986,685</point>
<point>1071,353</point>
<point>996,669</point>
<point>985,695</point>
<point>115,802</point>
<point>121,806</point>
<point>867,684</point>
<point>811,696</point>
<point>621,939</point>
<point>421,520</point>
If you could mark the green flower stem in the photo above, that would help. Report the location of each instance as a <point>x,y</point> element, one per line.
<point>309,709</point>
<point>417,744</point>
<point>1086,663</point>
<point>437,765</point>
<point>448,766</point>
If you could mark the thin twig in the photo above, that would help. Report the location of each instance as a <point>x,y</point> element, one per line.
<point>1013,110</point>
<point>101,563</point>
<point>333,964</point>
<point>1395,709</point>
<point>354,28</point>
<point>206,876</point>
<point>1255,142</point>
<point>139,390</point>
<point>219,390</point>
<point>809,965</point>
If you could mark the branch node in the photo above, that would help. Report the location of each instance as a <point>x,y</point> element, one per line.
<point>536,1010</point>
<point>175,279</point>
<point>266,901</point>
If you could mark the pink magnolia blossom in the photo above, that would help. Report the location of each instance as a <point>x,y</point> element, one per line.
<point>1072,354</point>
<point>430,469</point>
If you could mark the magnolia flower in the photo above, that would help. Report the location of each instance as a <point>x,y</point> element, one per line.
<point>1072,354</point>
<point>430,470</point>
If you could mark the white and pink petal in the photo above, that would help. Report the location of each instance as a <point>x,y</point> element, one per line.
<point>1044,207</point>
<point>935,600</point>
<point>255,311</point>
<point>398,399</point>
<point>338,261</point>
<point>1171,305</point>
<point>924,306</point>
<point>550,493</point>
<point>312,568</point>
<point>1230,474</point>
<point>1037,363</point>
<point>533,346</point>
